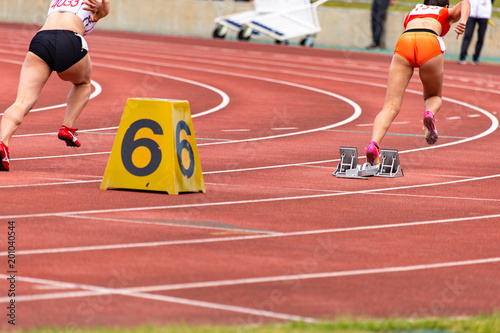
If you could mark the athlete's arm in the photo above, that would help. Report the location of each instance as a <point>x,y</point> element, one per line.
<point>103,11</point>
<point>460,13</point>
<point>99,8</point>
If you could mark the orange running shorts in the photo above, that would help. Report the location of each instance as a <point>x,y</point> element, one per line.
<point>419,45</point>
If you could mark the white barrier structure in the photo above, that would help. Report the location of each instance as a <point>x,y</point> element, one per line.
<point>237,21</point>
<point>340,27</point>
<point>298,19</point>
<point>279,19</point>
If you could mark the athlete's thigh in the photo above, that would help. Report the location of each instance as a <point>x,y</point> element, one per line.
<point>78,73</point>
<point>400,74</point>
<point>34,74</point>
<point>431,75</point>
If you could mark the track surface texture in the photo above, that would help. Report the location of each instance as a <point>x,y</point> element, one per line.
<point>275,237</point>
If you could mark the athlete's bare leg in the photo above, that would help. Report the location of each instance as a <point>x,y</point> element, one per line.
<point>34,74</point>
<point>431,75</point>
<point>400,74</point>
<point>79,74</point>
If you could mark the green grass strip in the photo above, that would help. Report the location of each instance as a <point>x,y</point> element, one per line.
<point>475,324</point>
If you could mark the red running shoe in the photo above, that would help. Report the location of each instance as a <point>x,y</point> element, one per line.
<point>4,153</point>
<point>373,153</point>
<point>431,133</point>
<point>68,134</point>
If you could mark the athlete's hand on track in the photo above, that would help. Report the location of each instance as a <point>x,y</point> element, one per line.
<point>93,6</point>
<point>460,28</point>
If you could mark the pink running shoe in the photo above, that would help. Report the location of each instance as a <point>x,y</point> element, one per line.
<point>68,134</point>
<point>4,154</point>
<point>373,153</point>
<point>431,133</point>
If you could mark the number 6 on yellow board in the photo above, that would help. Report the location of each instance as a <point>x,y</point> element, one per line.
<point>155,149</point>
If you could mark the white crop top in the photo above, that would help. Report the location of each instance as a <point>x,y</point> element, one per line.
<point>75,7</point>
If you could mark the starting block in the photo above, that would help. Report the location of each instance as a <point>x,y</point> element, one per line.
<point>350,168</point>
<point>389,165</point>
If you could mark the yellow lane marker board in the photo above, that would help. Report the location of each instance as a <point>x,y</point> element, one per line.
<point>155,149</point>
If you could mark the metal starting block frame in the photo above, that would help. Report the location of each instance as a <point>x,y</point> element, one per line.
<point>389,165</point>
<point>349,167</point>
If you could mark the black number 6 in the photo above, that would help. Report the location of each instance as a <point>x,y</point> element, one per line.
<point>129,145</point>
<point>184,144</point>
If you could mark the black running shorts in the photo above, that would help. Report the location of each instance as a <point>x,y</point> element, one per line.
<point>60,49</point>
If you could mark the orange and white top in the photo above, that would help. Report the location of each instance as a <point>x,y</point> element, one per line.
<point>438,13</point>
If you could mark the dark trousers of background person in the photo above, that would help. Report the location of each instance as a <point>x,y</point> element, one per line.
<point>378,15</point>
<point>482,24</point>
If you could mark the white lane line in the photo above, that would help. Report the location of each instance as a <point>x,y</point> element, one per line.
<point>244,202</point>
<point>143,292</point>
<point>79,131</point>
<point>439,197</point>
<point>223,95</point>
<point>309,276</point>
<point>246,237</point>
<point>491,129</point>
<point>284,128</point>
<point>96,290</point>
<point>236,130</point>
<point>69,182</point>
<point>489,115</point>
<point>97,90</point>
<point>276,64</point>
<point>181,224</point>
<point>58,156</point>
<point>487,132</point>
<point>355,115</point>
<point>222,61</point>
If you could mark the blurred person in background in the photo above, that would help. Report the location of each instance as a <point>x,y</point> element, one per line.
<point>378,17</point>
<point>480,13</point>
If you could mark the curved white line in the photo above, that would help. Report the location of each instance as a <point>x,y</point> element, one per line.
<point>248,201</point>
<point>489,131</point>
<point>224,96</point>
<point>355,115</point>
<point>492,128</point>
<point>222,61</point>
<point>239,238</point>
<point>97,290</point>
<point>97,91</point>
<point>357,108</point>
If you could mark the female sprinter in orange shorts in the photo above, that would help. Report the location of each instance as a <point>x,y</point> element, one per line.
<point>421,46</point>
<point>59,46</point>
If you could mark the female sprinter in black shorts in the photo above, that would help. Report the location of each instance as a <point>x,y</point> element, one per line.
<point>59,46</point>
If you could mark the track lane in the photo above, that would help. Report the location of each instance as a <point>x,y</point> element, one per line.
<point>464,189</point>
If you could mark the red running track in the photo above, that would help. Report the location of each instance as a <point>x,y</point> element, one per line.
<point>276,237</point>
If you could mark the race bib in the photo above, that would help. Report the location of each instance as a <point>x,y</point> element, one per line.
<point>66,4</point>
<point>421,9</point>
